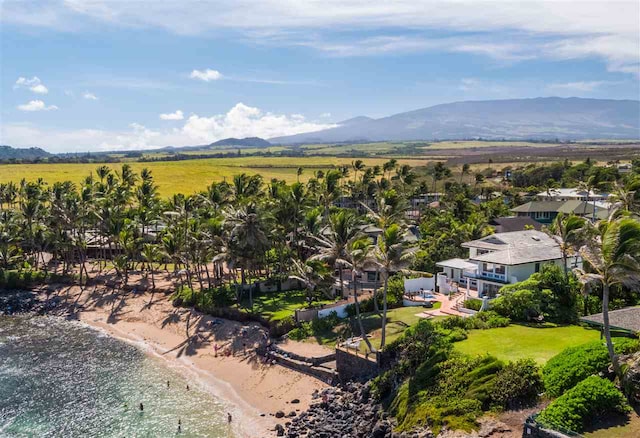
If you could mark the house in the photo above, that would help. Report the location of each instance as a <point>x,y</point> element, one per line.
<point>514,223</point>
<point>500,259</point>
<point>571,195</point>
<point>625,168</point>
<point>546,211</point>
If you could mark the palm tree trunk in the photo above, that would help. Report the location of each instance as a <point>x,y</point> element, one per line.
<point>607,328</point>
<point>384,311</point>
<point>375,293</point>
<point>363,335</point>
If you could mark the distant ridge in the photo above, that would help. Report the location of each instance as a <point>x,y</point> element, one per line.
<point>246,142</point>
<point>9,153</point>
<point>543,118</point>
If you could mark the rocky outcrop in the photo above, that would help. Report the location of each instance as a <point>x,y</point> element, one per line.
<point>346,411</point>
<point>16,302</point>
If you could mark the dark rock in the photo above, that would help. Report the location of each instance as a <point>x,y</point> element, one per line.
<point>292,414</point>
<point>279,430</point>
<point>295,401</point>
<point>279,414</point>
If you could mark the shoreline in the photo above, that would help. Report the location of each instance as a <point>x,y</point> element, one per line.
<point>185,339</point>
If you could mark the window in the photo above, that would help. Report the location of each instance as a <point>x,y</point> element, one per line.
<point>537,267</point>
<point>371,276</point>
<point>500,269</point>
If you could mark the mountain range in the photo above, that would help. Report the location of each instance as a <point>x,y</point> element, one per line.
<point>538,118</point>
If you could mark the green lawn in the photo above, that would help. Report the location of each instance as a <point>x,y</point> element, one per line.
<point>279,305</point>
<point>398,320</point>
<point>520,341</point>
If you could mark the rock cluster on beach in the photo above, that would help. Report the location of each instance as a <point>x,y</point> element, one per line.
<point>16,302</point>
<point>346,411</point>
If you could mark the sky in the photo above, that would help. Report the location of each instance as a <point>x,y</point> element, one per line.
<point>80,76</point>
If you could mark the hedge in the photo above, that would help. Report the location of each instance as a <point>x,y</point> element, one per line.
<point>589,400</point>
<point>572,365</point>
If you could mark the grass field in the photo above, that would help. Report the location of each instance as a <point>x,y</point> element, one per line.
<point>485,144</point>
<point>276,306</point>
<point>190,176</point>
<point>519,341</point>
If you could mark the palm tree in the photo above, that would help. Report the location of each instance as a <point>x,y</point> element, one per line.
<point>613,258</point>
<point>333,241</point>
<point>151,254</point>
<point>311,274</point>
<point>567,231</point>
<point>356,256</point>
<point>390,255</point>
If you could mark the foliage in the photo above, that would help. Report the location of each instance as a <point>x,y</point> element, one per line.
<point>481,320</point>
<point>517,384</point>
<point>592,398</point>
<point>545,293</point>
<point>473,304</point>
<point>24,279</point>
<point>574,364</point>
<point>315,327</point>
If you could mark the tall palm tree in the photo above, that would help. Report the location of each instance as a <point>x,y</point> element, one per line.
<point>613,257</point>
<point>311,274</point>
<point>568,232</point>
<point>356,256</point>
<point>151,254</point>
<point>466,167</point>
<point>333,241</point>
<point>390,254</point>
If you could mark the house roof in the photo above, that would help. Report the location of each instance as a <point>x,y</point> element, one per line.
<point>625,319</point>
<point>516,247</point>
<point>457,264</point>
<point>514,223</point>
<point>518,256</point>
<point>571,192</point>
<point>573,206</point>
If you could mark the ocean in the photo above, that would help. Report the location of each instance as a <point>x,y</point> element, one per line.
<point>62,378</point>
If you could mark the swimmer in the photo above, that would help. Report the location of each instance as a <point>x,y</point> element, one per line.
<point>229,417</point>
<point>141,407</point>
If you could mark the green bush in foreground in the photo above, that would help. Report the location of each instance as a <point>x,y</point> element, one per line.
<point>473,304</point>
<point>588,400</point>
<point>517,385</point>
<point>574,364</point>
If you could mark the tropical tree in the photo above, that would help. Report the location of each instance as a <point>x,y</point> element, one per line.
<point>311,273</point>
<point>612,255</point>
<point>568,232</point>
<point>390,254</point>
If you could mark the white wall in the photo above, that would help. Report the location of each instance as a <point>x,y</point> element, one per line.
<point>415,284</point>
<point>340,310</point>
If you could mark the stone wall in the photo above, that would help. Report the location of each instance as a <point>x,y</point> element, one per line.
<point>354,367</point>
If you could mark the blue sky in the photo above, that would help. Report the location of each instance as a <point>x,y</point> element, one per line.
<point>78,76</point>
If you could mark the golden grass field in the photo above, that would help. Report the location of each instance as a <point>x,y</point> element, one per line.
<point>191,176</point>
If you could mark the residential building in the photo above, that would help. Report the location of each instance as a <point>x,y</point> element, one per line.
<point>546,211</point>
<point>514,223</point>
<point>502,258</point>
<point>571,195</point>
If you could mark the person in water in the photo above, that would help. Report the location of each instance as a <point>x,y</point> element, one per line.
<point>229,418</point>
<point>167,384</point>
<point>141,407</point>
<point>179,426</point>
<point>187,387</point>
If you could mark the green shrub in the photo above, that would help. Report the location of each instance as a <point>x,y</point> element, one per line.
<point>545,293</point>
<point>517,385</point>
<point>303,331</point>
<point>589,400</point>
<point>481,320</point>
<point>473,304</point>
<point>574,364</point>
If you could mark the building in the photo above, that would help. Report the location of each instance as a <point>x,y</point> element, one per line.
<point>571,195</point>
<point>500,259</point>
<point>546,211</point>
<point>514,223</point>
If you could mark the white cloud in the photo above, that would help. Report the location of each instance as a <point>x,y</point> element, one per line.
<point>89,96</point>
<point>36,105</point>
<point>325,115</point>
<point>206,75</point>
<point>581,85</point>
<point>178,115</point>
<point>34,84</point>
<point>247,121</point>
<point>607,30</point>
<point>240,121</point>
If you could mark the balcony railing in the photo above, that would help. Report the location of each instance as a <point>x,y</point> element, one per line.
<point>493,276</point>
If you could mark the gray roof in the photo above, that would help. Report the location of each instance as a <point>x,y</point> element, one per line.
<point>514,223</point>
<point>457,264</point>
<point>518,256</point>
<point>567,207</point>
<point>516,247</point>
<point>625,319</point>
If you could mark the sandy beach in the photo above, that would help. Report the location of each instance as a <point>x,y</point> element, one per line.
<point>186,338</point>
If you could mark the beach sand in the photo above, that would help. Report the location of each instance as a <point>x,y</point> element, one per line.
<point>186,338</point>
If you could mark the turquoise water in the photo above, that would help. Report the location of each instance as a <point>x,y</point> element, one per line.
<point>62,379</point>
